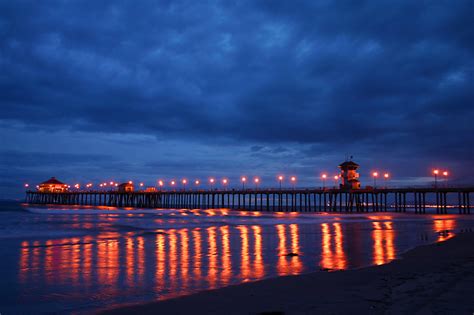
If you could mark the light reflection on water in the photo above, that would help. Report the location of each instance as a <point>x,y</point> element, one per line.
<point>117,265</point>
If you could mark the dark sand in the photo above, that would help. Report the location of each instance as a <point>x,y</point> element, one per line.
<point>432,279</point>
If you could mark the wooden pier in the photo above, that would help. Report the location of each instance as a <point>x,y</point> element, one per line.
<point>417,200</point>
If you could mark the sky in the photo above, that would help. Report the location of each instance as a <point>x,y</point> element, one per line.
<point>94,91</point>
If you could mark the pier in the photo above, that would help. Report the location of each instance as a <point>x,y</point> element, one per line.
<point>417,200</point>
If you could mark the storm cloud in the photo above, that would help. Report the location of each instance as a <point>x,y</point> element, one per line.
<point>248,86</point>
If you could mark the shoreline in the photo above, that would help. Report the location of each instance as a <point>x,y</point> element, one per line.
<point>434,278</point>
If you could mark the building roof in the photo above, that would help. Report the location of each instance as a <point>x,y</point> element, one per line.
<point>52,181</point>
<point>348,163</point>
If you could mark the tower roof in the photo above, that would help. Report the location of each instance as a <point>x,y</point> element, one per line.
<point>348,163</point>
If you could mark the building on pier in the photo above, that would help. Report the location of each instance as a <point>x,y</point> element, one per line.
<point>52,185</point>
<point>126,187</point>
<point>349,175</point>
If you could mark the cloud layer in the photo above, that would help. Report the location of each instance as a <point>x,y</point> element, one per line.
<point>306,82</point>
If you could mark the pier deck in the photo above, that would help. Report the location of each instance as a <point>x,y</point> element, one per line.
<point>301,200</point>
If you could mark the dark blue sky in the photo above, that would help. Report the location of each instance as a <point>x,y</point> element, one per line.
<point>117,90</point>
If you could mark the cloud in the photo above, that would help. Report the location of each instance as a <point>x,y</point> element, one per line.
<point>321,78</point>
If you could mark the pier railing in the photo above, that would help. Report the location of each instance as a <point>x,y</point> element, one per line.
<point>440,200</point>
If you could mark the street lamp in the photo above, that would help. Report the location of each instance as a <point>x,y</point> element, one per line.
<point>184,181</point>
<point>197,182</point>
<point>435,173</point>
<point>293,181</point>
<point>386,176</point>
<point>256,180</point>
<point>336,179</point>
<point>224,183</point>
<point>445,174</point>
<point>27,185</point>
<point>323,177</point>
<point>375,175</point>
<point>173,183</point>
<point>243,179</point>
<point>212,180</point>
<point>280,179</point>
<point>160,183</point>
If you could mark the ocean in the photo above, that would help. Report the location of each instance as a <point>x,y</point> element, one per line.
<point>79,260</point>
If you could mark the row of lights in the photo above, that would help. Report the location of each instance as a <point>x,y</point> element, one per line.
<point>225,181</point>
<point>256,180</point>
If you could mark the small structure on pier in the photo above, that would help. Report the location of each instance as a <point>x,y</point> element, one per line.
<point>349,175</point>
<point>126,187</point>
<point>52,185</point>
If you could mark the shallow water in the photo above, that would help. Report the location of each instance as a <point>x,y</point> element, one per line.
<point>80,260</point>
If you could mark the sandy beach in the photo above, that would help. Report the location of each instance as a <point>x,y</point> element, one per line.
<point>431,279</point>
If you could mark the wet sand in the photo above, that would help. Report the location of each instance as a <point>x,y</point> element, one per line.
<point>431,279</point>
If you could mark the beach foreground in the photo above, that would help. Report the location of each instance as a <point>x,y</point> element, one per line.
<point>431,279</point>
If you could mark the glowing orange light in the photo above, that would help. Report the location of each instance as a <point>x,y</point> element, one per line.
<point>244,179</point>
<point>324,176</point>
<point>386,175</point>
<point>256,180</point>
<point>224,181</point>
<point>130,182</point>
<point>197,182</point>
<point>116,185</point>
<point>336,177</point>
<point>212,180</point>
<point>101,185</point>
<point>111,183</point>
<point>293,178</point>
<point>141,184</point>
<point>280,177</point>
<point>436,172</point>
<point>375,174</point>
<point>26,185</point>
<point>160,183</point>
<point>184,181</point>
<point>445,173</point>
<point>173,182</point>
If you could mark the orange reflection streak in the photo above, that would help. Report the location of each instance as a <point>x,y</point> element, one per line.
<point>327,256</point>
<point>282,265</point>
<point>258,265</point>
<point>226,256</point>
<point>212,255</point>
<point>173,258</point>
<point>48,263</point>
<point>87,259</point>
<point>130,259</point>
<point>295,262</point>
<point>244,253</point>
<point>383,236</point>
<point>184,258</point>
<point>444,228</point>
<point>197,253</point>
<point>341,260</point>
<point>75,249</point>
<point>140,264</point>
<point>160,260</point>
<point>24,261</point>
<point>389,237</point>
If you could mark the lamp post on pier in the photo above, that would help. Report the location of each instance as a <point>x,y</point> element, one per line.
<point>243,179</point>
<point>256,180</point>
<point>436,173</point>
<point>323,178</point>
<point>445,174</point>
<point>293,181</point>
<point>375,175</point>
<point>280,179</point>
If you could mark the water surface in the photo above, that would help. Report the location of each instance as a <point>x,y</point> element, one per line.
<point>80,260</point>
